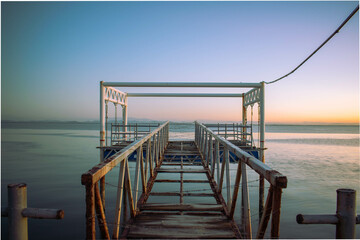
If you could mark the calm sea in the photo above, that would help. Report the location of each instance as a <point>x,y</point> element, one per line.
<point>50,158</point>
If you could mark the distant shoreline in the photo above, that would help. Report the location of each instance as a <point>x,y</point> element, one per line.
<point>173,122</point>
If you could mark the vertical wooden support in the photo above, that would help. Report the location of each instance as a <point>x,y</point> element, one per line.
<point>275,218</point>
<point>142,171</point>
<point>129,190</point>
<point>119,199</point>
<point>217,158</point>
<point>211,152</point>
<point>101,214</point>
<point>228,184</point>
<point>205,151</point>
<point>149,159</point>
<point>346,213</point>
<point>158,149</point>
<point>246,203</point>
<point>102,191</point>
<point>266,215</point>
<point>17,202</point>
<point>236,189</point>
<point>90,211</point>
<point>203,142</point>
<point>153,156</point>
<point>220,185</point>
<point>137,172</point>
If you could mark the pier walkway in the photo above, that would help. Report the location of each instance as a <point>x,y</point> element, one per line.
<point>180,219</point>
<point>181,189</point>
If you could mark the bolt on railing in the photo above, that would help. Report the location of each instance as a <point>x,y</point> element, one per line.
<point>18,212</point>
<point>206,140</point>
<point>345,218</point>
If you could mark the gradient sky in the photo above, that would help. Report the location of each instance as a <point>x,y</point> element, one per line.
<point>54,54</point>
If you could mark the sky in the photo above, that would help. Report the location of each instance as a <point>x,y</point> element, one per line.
<point>54,54</point>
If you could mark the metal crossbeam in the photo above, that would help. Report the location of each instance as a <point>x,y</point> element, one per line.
<point>183,84</point>
<point>232,95</point>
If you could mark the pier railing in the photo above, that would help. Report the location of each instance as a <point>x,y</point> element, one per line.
<point>233,131</point>
<point>155,144</point>
<point>209,145</point>
<point>130,132</point>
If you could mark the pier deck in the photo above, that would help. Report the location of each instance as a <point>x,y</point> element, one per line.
<point>176,189</point>
<point>176,218</point>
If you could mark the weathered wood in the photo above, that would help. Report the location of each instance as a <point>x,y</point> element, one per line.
<point>100,170</point>
<point>171,226</point>
<point>147,159</point>
<point>129,190</point>
<point>266,215</point>
<point>101,214</point>
<point>217,159</point>
<point>142,171</point>
<point>42,213</point>
<point>181,207</point>
<point>317,219</point>
<point>119,201</point>
<point>177,181</point>
<point>272,176</point>
<point>179,164</point>
<point>137,173</point>
<point>228,184</point>
<point>221,175</point>
<point>236,190</point>
<point>181,171</point>
<point>90,212</point>
<point>102,191</point>
<point>165,194</point>
<point>261,195</point>
<point>246,203</point>
<point>199,194</point>
<point>275,218</point>
<point>178,233</point>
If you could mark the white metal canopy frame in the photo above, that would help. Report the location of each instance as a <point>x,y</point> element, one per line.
<point>108,93</point>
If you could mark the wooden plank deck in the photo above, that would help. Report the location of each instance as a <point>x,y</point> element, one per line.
<point>179,219</point>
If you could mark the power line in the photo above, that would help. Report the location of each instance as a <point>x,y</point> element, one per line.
<point>336,31</point>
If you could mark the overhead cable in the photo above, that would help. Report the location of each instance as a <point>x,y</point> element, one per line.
<point>336,31</point>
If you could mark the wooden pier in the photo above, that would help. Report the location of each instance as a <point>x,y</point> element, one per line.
<point>177,219</point>
<point>157,158</point>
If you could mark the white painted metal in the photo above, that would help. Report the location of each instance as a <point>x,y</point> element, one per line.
<point>183,84</point>
<point>226,95</point>
<point>262,122</point>
<point>114,95</point>
<point>102,119</point>
<point>124,117</point>
<point>252,96</point>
